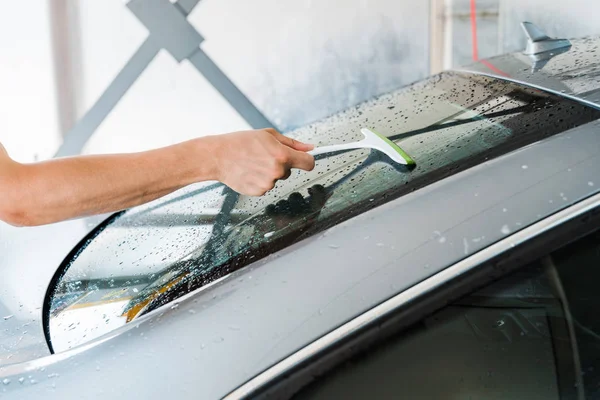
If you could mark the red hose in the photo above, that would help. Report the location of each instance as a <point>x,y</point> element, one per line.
<point>474,41</point>
<point>474,30</point>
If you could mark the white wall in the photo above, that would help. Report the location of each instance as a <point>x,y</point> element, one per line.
<point>28,113</point>
<point>298,61</point>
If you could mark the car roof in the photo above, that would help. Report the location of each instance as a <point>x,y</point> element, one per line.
<point>572,72</point>
<point>139,261</point>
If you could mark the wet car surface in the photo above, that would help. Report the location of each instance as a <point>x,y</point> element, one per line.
<point>206,283</point>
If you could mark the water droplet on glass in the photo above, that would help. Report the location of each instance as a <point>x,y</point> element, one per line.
<point>505,230</point>
<point>21,380</point>
<point>269,234</point>
<point>174,306</point>
<point>524,166</point>
<point>6,381</point>
<point>590,183</point>
<point>334,246</point>
<point>8,317</point>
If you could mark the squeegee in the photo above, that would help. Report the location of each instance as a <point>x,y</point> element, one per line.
<point>372,140</point>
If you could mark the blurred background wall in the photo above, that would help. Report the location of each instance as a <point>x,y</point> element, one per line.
<point>297,61</point>
<point>498,24</point>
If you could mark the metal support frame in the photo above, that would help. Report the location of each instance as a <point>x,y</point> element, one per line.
<point>170,30</point>
<point>76,139</point>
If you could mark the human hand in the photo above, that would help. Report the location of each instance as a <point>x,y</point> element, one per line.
<point>251,162</point>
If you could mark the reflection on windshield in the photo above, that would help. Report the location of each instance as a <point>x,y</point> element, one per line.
<point>148,256</point>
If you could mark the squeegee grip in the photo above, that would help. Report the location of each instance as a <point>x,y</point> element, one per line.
<point>335,147</point>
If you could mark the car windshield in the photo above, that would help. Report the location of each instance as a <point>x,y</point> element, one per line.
<point>145,257</point>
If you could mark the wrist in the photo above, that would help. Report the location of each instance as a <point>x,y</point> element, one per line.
<point>203,158</point>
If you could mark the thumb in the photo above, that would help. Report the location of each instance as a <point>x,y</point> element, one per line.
<point>289,142</point>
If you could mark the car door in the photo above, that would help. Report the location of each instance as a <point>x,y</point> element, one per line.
<point>529,331</point>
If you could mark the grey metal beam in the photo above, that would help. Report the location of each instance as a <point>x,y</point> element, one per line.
<point>186,6</point>
<point>229,91</point>
<point>173,32</point>
<point>85,128</point>
<point>169,29</point>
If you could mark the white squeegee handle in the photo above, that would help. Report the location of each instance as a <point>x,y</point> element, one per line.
<point>337,147</point>
<point>372,140</point>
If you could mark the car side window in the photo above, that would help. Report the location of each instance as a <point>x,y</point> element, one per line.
<point>534,334</point>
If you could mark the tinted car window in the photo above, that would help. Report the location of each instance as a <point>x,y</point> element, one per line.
<point>532,335</point>
<point>146,257</point>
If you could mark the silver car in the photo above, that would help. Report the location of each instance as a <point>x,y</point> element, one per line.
<point>471,275</point>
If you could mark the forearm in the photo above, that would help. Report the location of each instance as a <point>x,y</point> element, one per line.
<point>249,162</point>
<point>67,188</point>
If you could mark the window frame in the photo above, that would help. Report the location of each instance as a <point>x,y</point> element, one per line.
<point>403,310</point>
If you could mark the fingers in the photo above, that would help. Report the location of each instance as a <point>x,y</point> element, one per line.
<point>286,175</point>
<point>289,142</point>
<point>261,161</point>
<point>301,160</point>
